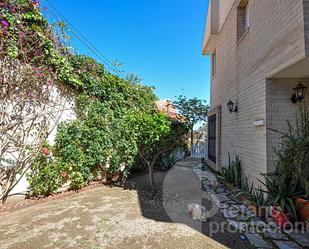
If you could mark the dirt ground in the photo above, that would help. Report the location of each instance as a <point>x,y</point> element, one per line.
<point>117,217</point>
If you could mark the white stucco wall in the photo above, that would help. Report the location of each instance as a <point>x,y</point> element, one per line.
<point>66,113</point>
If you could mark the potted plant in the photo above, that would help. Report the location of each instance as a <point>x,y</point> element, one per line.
<point>302,207</point>
<point>280,192</point>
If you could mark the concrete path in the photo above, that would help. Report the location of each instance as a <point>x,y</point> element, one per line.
<point>117,217</point>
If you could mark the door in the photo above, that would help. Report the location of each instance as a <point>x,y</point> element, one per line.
<point>212,138</point>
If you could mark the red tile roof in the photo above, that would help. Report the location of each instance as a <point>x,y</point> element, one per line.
<point>168,107</point>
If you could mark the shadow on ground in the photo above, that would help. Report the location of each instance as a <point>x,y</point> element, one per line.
<point>117,217</point>
<point>175,190</point>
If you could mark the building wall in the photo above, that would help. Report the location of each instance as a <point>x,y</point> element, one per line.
<point>224,8</point>
<point>306,19</point>
<point>66,113</point>
<point>274,41</point>
<point>279,110</point>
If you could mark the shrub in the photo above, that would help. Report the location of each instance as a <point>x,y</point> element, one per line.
<point>293,156</point>
<point>104,138</point>
<point>46,175</point>
<point>76,180</point>
<point>99,141</point>
<point>166,162</point>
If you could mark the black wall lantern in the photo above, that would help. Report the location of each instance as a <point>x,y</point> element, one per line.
<point>299,93</point>
<point>231,108</point>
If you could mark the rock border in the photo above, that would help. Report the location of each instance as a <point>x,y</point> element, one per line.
<point>261,234</point>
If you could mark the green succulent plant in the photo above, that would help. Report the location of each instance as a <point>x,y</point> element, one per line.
<point>233,172</point>
<point>280,191</point>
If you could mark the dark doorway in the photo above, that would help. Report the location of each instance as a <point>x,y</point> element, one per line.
<point>212,138</point>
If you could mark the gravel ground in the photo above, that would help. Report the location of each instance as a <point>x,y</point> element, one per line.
<point>117,217</point>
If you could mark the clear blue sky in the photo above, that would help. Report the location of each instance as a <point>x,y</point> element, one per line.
<point>159,40</point>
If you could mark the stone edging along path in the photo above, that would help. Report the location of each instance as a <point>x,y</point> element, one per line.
<point>261,234</point>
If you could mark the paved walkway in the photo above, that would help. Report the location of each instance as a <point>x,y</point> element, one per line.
<point>260,233</point>
<point>117,217</point>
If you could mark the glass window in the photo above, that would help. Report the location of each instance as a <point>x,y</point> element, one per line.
<point>247,16</point>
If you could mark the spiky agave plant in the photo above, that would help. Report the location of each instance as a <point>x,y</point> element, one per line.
<point>280,191</point>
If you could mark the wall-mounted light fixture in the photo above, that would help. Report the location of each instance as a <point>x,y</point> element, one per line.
<point>231,108</point>
<point>299,93</point>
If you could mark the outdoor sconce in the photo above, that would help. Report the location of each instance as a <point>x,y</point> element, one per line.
<point>231,108</point>
<point>299,93</point>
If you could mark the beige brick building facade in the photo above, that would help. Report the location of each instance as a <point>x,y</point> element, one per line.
<point>260,52</point>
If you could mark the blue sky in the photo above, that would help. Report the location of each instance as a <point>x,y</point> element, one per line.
<point>159,40</point>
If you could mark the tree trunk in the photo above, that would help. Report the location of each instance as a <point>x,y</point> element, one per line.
<point>151,177</point>
<point>192,136</point>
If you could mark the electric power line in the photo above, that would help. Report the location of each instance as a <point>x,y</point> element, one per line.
<point>88,44</point>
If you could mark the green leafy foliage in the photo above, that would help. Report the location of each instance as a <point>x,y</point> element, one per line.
<point>165,162</point>
<point>232,173</point>
<point>98,138</point>
<point>293,155</point>
<point>280,191</point>
<point>194,110</point>
<point>45,176</point>
<point>257,197</point>
<point>76,180</point>
<point>117,122</point>
<point>156,134</point>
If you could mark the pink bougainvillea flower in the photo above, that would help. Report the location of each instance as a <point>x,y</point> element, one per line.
<point>50,82</point>
<point>5,23</point>
<point>22,34</point>
<point>13,9</point>
<point>64,174</point>
<point>36,4</point>
<point>45,150</point>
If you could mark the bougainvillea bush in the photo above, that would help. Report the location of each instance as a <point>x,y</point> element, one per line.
<point>30,79</point>
<point>47,174</point>
<point>38,74</point>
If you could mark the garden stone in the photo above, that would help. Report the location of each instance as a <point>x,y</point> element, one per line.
<point>259,224</point>
<point>223,206</point>
<point>210,191</point>
<point>275,235</point>
<point>219,198</point>
<point>240,208</point>
<point>230,202</point>
<point>213,182</point>
<point>210,175</point>
<point>301,237</point>
<point>229,214</point>
<point>257,241</point>
<point>243,217</point>
<point>220,190</point>
<point>241,226</point>
<point>287,245</point>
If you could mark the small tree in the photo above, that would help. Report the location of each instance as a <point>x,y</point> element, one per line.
<point>157,134</point>
<point>194,110</point>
